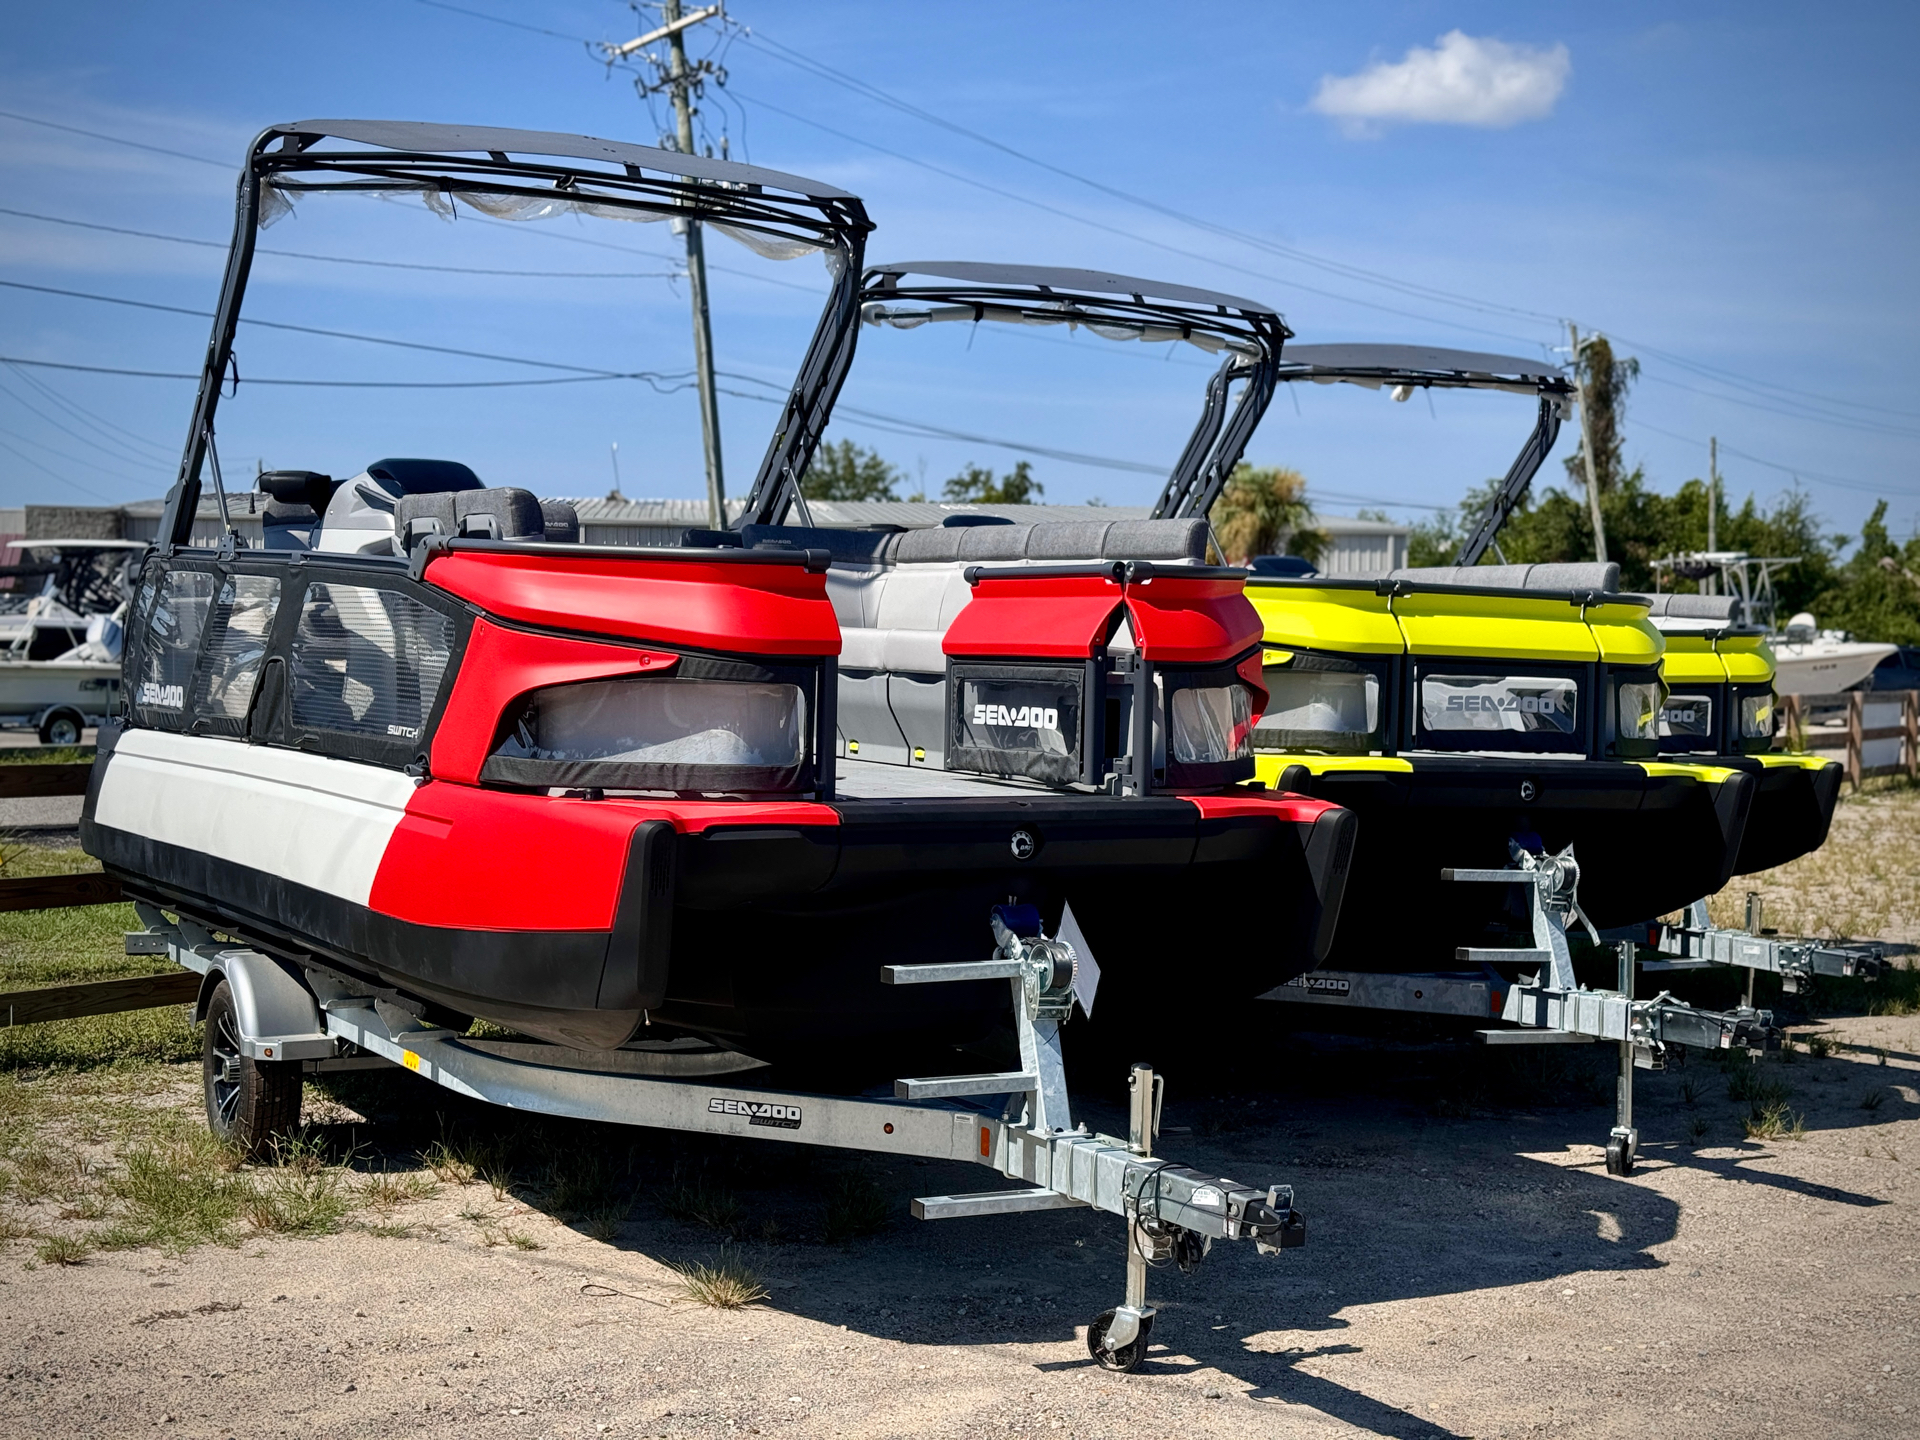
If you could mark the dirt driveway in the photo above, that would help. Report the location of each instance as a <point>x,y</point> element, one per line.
<point>1470,1270</point>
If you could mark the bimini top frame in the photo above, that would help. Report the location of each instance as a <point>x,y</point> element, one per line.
<point>1410,367</point>
<point>523,174</point>
<point>1116,307</point>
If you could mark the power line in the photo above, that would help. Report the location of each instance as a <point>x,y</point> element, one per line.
<point>115,139</point>
<point>650,377</point>
<point>72,484</point>
<point>350,259</point>
<point>86,416</point>
<point>588,370</point>
<point>1773,407</point>
<point>70,459</point>
<point>125,454</point>
<point>1793,470</point>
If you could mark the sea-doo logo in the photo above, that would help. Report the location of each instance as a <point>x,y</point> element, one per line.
<point>780,1117</point>
<point>1525,704</point>
<point>1674,715</point>
<point>1023,845</point>
<point>1322,984</point>
<point>1032,717</point>
<point>163,697</point>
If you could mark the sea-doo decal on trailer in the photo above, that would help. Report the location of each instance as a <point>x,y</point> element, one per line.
<point>1322,984</point>
<point>780,1117</point>
<point>1522,703</point>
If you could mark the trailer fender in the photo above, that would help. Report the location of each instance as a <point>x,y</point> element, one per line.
<point>279,1017</point>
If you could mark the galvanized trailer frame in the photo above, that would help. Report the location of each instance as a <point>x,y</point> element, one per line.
<point>1018,1124</point>
<point>1550,1006</point>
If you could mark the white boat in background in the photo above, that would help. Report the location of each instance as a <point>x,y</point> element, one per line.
<point>1807,659</point>
<point>60,651</point>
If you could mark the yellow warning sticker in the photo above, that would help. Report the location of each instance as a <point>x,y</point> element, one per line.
<point>409,1059</point>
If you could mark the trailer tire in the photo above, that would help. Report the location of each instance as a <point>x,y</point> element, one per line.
<point>62,727</point>
<point>250,1103</point>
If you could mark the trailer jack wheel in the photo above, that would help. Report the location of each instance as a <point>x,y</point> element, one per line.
<point>1620,1155</point>
<point>250,1103</point>
<point>1120,1357</point>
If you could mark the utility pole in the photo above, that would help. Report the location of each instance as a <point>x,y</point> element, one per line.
<point>1713,504</point>
<point>1586,450</point>
<point>681,80</point>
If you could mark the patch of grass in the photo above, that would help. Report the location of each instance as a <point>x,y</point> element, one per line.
<point>47,755</point>
<point>385,1190</point>
<point>290,1201</point>
<point>1874,1098</point>
<point>855,1207</point>
<point>702,1204</point>
<point>1820,1046</point>
<point>1752,1086</point>
<point>178,1190</point>
<point>580,1182</point>
<point>63,1250</point>
<point>727,1284</point>
<point>495,1235</point>
<point>13,1228</point>
<point>390,1232</point>
<point>1696,1130</point>
<point>1774,1121</point>
<point>604,1223</point>
<point>1689,1092</point>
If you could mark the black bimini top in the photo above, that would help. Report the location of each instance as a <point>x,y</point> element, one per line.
<point>1119,307</point>
<point>1422,365</point>
<point>1068,281</point>
<point>525,174</point>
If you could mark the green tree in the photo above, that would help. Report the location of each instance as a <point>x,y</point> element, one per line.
<point>1264,511</point>
<point>847,471</point>
<point>1876,594</point>
<point>977,485</point>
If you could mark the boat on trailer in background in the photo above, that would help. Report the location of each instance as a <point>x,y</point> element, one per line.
<point>60,648</point>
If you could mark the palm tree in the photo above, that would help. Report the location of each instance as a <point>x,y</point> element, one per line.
<point>1264,511</point>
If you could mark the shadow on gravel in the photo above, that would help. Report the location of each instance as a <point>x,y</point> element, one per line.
<point>1427,1169</point>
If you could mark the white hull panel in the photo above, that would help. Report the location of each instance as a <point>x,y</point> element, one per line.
<point>315,821</point>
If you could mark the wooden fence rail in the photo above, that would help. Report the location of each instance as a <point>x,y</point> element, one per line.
<point>34,782</point>
<point>98,997</point>
<point>1851,734</point>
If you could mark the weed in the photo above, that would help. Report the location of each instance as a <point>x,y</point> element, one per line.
<point>1820,1046</point>
<point>581,1183</point>
<point>1696,1130</point>
<point>290,1201</point>
<point>473,1215</point>
<point>1874,1098</point>
<point>1774,1121</point>
<point>449,1164</point>
<point>704,1205</point>
<point>724,1285</point>
<point>1690,1092</point>
<point>495,1235</point>
<point>523,1242</point>
<point>63,1250</point>
<point>387,1191</point>
<point>390,1232</point>
<point>13,1228</point>
<point>855,1207</point>
<point>605,1222</point>
<point>771,1233</point>
<point>1756,1089</point>
<point>178,1190</point>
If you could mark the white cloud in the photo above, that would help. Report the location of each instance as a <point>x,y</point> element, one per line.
<point>1460,81</point>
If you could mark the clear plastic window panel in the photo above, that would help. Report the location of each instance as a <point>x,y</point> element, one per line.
<point>1332,710</point>
<point>1636,708</point>
<point>1756,717</point>
<point>236,644</point>
<point>172,645</point>
<point>368,661</point>
<point>665,722</point>
<point>1211,724</point>
<point>1513,704</point>
<point>1687,717</point>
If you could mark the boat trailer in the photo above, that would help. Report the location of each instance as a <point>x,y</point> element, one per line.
<point>1018,1124</point>
<point>1550,1006</point>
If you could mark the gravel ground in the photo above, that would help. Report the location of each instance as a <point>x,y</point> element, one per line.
<point>1471,1270</point>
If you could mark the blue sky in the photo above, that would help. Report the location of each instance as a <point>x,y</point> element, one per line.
<point>1731,196</point>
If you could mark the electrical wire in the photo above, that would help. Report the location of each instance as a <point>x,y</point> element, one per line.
<point>70,459</point>
<point>349,259</point>
<point>113,139</point>
<point>125,454</point>
<point>650,377</point>
<point>1793,470</point>
<point>86,416</point>
<point>71,484</point>
<point>587,370</point>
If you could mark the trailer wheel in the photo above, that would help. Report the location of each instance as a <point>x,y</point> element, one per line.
<point>62,727</point>
<point>1619,1156</point>
<point>1126,1356</point>
<point>250,1103</point>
